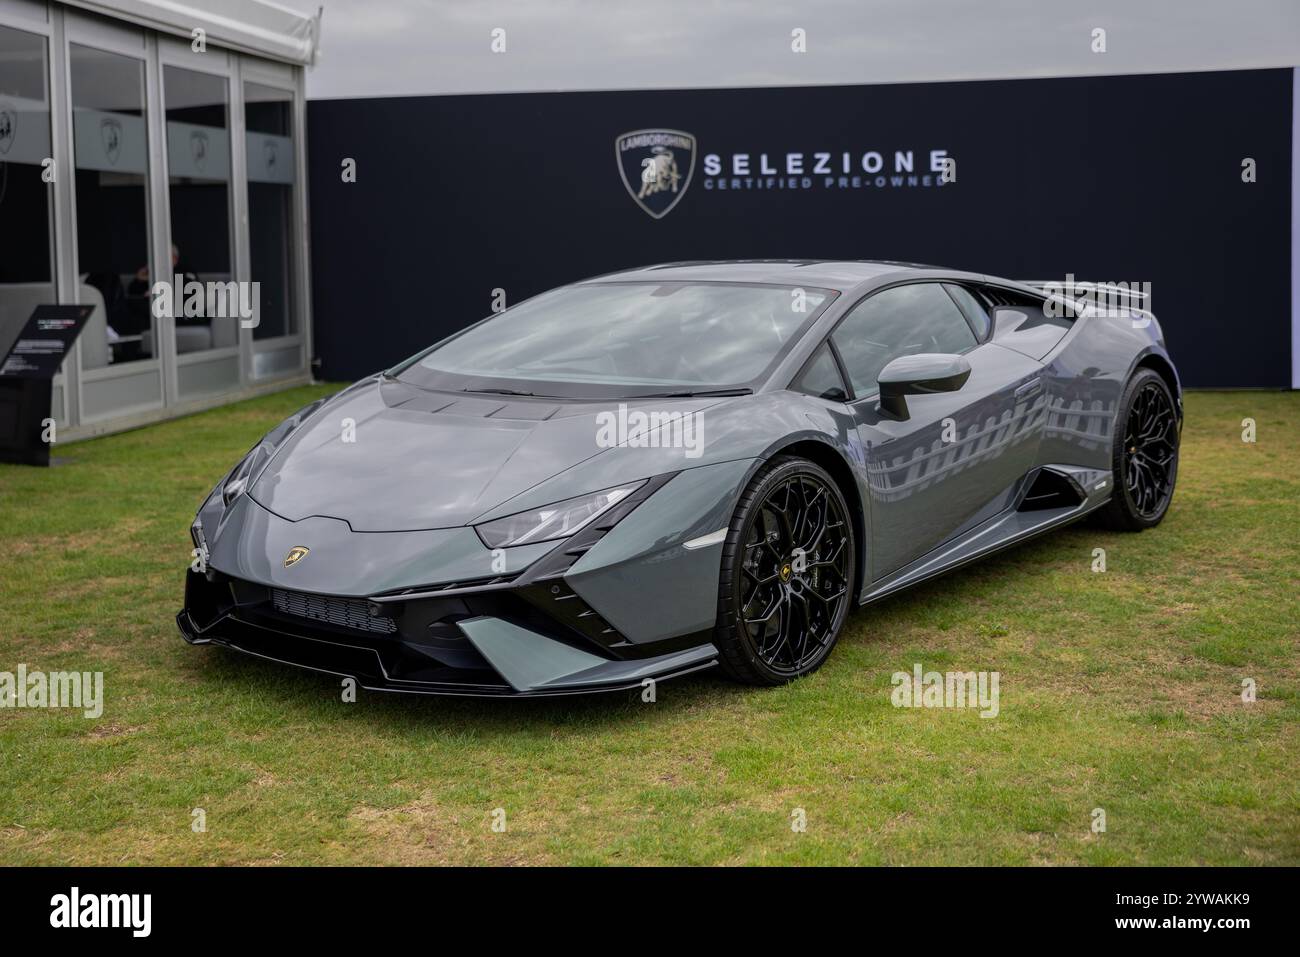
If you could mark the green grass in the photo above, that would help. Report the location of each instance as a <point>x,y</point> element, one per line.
<point>1119,690</point>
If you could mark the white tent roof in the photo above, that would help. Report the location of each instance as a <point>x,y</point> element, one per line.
<point>249,26</point>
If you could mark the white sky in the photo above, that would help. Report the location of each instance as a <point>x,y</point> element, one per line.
<point>402,47</point>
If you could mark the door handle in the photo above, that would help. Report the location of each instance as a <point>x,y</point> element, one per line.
<point>1030,387</point>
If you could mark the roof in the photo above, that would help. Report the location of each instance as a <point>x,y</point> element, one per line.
<point>838,275</point>
<point>249,26</point>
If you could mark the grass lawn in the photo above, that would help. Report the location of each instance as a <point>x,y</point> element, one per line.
<point>1120,690</point>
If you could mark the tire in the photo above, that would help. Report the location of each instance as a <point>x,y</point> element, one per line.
<point>1144,455</point>
<point>772,630</point>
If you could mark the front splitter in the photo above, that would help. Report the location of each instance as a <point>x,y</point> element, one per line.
<point>525,663</point>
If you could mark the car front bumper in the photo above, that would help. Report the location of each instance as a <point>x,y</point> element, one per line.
<point>622,601</point>
<point>476,642</point>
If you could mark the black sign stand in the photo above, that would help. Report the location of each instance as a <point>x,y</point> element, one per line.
<point>26,381</point>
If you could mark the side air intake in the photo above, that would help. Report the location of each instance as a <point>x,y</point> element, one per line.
<point>1050,489</point>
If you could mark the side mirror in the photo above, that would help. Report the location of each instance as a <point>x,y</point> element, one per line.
<point>921,374</point>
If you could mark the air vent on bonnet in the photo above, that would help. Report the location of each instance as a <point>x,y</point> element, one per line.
<point>399,395</point>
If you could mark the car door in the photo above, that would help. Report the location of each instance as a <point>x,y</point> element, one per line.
<point>957,458</point>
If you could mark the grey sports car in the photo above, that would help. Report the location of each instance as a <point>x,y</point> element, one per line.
<point>661,470</point>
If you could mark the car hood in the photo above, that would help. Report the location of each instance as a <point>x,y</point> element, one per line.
<point>385,456</point>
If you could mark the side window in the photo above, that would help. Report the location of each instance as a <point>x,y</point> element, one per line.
<point>821,377</point>
<point>901,321</point>
<point>972,308</point>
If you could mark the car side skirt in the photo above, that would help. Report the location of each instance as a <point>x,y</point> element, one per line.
<point>1019,522</point>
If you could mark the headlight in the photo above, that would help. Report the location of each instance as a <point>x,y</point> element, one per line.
<point>553,521</point>
<point>200,541</point>
<point>233,488</point>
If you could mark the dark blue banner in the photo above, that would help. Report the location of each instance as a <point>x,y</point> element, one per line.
<point>1132,179</point>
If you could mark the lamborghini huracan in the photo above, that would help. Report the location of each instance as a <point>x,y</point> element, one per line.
<point>677,467</point>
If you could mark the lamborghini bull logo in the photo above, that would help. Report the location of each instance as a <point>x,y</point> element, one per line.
<point>651,163</point>
<point>296,554</point>
<point>658,172</point>
<point>199,148</point>
<point>110,131</point>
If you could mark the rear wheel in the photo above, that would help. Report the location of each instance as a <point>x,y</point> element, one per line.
<point>1144,459</point>
<point>787,574</point>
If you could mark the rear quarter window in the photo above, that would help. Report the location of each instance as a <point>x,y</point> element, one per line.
<point>972,308</point>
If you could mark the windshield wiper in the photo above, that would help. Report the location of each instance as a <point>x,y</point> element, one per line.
<point>699,393</point>
<point>501,392</point>
<point>685,394</point>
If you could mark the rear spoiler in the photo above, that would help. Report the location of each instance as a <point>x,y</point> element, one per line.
<point>1074,288</point>
<point>1099,298</point>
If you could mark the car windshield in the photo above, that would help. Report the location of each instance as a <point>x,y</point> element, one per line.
<point>624,339</point>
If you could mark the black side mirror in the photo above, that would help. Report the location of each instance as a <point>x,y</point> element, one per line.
<point>921,374</point>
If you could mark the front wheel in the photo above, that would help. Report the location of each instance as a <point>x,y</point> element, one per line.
<point>787,574</point>
<point>1144,456</point>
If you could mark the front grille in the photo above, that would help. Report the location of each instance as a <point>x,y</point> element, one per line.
<point>351,613</point>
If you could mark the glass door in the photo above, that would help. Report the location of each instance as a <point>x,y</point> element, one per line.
<point>199,192</point>
<point>271,109</point>
<point>119,347</point>
<point>26,199</point>
<point>272,162</point>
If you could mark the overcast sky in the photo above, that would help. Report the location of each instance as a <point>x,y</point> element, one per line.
<point>394,47</point>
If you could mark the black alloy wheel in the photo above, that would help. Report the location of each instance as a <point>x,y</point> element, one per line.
<point>788,571</point>
<point>1145,454</point>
